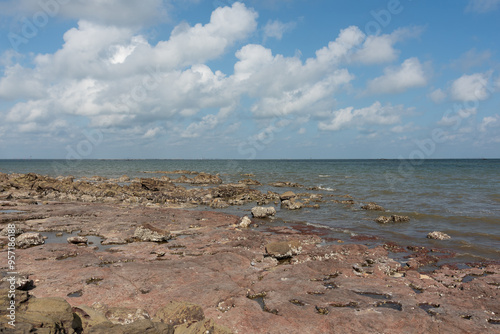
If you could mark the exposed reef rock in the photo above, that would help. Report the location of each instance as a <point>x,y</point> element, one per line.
<point>292,204</point>
<point>372,206</point>
<point>29,239</point>
<point>392,219</point>
<point>263,212</point>
<point>438,235</point>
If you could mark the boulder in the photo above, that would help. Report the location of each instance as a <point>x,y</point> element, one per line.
<point>245,222</point>
<point>124,178</point>
<point>29,239</point>
<point>218,203</point>
<point>114,241</point>
<point>155,185</point>
<point>392,219</point>
<point>287,195</point>
<point>263,212</point>
<point>176,313</point>
<point>54,315</point>
<point>250,182</point>
<point>147,232</point>
<point>77,240</point>
<point>372,206</point>
<point>291,204</point>
<point>438,235</point>
<point>231,190</point>
<point>204,178</point>
<point>17,231</point>
<point>283,249</point>
<point>89,318</point>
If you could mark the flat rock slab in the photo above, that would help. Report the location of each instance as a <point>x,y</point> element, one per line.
<point>231,274</point>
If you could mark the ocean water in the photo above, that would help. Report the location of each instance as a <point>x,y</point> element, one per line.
<point>458,197</point>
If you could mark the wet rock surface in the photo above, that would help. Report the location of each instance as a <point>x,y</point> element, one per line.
<point>438,235</point>
<point>392,219</point>
<point>372,206</point>
<point>263,212</point>
<point>205,272</point>
<point>29,239</point>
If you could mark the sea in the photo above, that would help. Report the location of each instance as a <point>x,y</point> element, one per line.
<point>458,197</point>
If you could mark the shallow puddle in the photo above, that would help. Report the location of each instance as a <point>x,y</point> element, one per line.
<point>392,305</point>
<point>469,278</point>
<point>374,295</point>
<point>75,294</point>
<point>94,241</point>
<point>11,211</point>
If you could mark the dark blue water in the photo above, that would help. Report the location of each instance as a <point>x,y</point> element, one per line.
<point>458,197</point>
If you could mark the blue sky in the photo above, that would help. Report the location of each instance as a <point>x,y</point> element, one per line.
<point>252,79</point>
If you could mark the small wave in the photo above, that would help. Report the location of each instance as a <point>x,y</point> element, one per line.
<point>324,175</point>
<point>326,188</point>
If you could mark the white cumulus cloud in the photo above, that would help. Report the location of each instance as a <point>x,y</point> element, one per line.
<point>380,48</point>
<point>276,29</point>
<point>410,74</point>
<point>482,6</point>
<point>437,95</point>
<point>350,118</point>
<point>472,87</point>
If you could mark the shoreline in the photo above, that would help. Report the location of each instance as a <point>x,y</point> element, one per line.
<point>268,277</point>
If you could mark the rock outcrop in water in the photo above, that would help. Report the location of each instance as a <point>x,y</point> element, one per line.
<point>372,206</point>
<point>392,219</point>
<point>263,212</point>
<point>438,235</point>
<point>292,204</point>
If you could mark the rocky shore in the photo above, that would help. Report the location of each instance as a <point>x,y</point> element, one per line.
<point>132,256</point>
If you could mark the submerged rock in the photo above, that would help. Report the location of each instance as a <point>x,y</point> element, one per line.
<point>147,232</point>
<point>263,212</point>
<point>250,182</point>
<point>281,184</point>
<point>392,219</point>
<point>78,240</point>
<point>218,203</point>
<point>29,239</point>
<point>372,206</point>
<point>201,178</point>
<point>438,235</point>
<point>291,204</point>
<point>204,178</point>
<point>287,195</point>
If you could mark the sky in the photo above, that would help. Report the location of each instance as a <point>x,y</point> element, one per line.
<point>249,79</point>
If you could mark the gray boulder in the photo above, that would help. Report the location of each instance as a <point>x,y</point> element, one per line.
<point>29,239</point>
<point>263,212</point>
